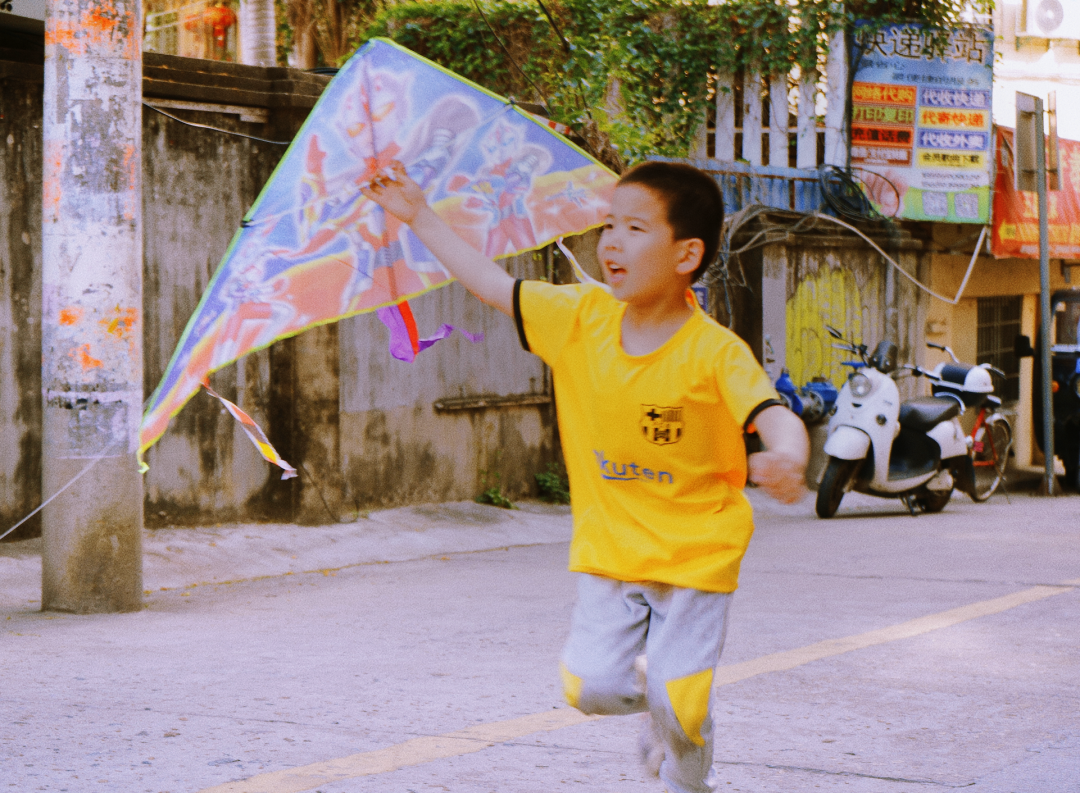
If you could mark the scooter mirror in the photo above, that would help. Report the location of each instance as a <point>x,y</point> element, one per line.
<point>884,357</point>
<point>834,332</point>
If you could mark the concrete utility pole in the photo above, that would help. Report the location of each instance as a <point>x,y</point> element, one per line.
<point>92,305</point>
<point>258,29</point>
<point>1030,174</point>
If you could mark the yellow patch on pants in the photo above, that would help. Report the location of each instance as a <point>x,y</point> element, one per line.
<point>690,700</point>
<point>571,684</point>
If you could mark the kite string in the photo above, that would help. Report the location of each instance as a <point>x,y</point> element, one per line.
<point>72,481</point>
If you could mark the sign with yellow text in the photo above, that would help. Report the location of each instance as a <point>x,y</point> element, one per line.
<point>923,123</point>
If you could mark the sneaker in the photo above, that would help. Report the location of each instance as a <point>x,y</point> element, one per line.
<point>650,747</point>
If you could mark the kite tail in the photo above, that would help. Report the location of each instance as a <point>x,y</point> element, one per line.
<point>255,433</point>
<point>405,341</point>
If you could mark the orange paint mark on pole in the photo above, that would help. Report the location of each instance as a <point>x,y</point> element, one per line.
<point>123,323</point>
<point>85,359</point>
<point>70,315</point>
<point>52,165</point>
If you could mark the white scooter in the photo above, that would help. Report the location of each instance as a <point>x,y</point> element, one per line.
<point>915,451</point>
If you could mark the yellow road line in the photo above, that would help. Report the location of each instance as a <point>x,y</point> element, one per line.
<point>483,736</point>
<point>414,752</point>
<point>780,662</point>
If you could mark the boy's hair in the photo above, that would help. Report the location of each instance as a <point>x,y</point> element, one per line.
<point>695,206</point>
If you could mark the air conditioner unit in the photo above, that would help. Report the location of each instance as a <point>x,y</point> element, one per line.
<point>1052,19</point>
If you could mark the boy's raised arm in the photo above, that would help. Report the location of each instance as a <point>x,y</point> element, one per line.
<point>404,199</point>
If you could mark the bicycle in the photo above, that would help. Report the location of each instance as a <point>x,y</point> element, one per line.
<point>991,437</point>
<point>991,440</point>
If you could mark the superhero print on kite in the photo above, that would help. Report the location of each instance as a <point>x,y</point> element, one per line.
<point>313,249</point>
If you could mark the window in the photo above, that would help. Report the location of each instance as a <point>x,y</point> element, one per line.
<point>998,327</point>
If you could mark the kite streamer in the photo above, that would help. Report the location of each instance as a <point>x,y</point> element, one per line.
<point>255,433</point>
<point>313,249</point>
<point>405,341</point>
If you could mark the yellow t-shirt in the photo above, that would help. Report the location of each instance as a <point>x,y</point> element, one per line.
<point>653,443</point>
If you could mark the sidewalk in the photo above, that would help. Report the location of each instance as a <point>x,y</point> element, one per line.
<point>183,557</point>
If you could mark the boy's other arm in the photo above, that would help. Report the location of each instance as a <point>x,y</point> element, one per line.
<point>404,199</point>
<point>780,470</point>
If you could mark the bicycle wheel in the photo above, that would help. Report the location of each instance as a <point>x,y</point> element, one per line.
<point>991,455</point>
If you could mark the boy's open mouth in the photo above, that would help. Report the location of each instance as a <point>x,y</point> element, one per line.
<point>615,273</point>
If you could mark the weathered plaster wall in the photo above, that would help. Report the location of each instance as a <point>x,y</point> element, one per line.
<point>957,326</point>
<point>397,447</point>
<point>20,297</point>
<point>361,427</point>
<point>810,281</point>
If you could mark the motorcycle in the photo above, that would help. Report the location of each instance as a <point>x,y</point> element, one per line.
<point>916,450</point>
<point>1065,385</point>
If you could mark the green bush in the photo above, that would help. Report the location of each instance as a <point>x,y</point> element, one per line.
<point>553,485</point>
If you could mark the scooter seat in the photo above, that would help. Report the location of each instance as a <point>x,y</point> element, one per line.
<point>925,413</point>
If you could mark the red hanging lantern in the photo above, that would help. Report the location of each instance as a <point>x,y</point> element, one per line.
<point>219,19</point>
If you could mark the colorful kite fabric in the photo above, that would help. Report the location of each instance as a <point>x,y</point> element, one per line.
<point>313,250</point>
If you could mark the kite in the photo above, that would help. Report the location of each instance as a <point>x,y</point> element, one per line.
<point>312,249</point>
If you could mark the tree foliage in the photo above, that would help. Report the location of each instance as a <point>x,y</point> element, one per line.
<point>634,77</point>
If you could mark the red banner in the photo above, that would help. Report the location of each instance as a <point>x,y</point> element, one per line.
<point>1016,213</point>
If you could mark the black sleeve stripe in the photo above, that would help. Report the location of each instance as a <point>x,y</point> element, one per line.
<point>768,403</point>
<point>517,316</point>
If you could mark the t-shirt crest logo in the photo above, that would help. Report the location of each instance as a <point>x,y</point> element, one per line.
<point>661,425</point>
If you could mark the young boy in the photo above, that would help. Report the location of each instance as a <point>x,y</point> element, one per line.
<point>653,397</point>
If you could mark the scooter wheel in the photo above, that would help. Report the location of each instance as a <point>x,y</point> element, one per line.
<point>932,500</point>
<point>834,484</point>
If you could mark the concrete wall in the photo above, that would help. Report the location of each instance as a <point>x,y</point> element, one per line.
<point>20,297</point>
<point>812,280</point>
<point>362,427</point>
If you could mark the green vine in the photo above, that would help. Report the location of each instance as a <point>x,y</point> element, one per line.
<point>635,77</point>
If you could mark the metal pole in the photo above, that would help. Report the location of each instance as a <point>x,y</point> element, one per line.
<point>1049,483</point>
<point>92,305</point>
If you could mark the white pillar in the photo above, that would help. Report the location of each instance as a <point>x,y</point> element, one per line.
<point>806,142</point>
<point>258,32</point>
<point>725,118</point>
<point>92,323</point>
<point>751,123</point>
<point>836,75</point>
<point>778,120</point>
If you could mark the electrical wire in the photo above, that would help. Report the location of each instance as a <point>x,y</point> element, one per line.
<point>846,196</point>
<point>567,49</point>
<point>772,232</point>
<point>963,284</point>
<point>216,129</point>
<point>510,57</point>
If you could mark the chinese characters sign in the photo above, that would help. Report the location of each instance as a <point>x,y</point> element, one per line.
<point>923,122</point>
<point>1016,213</point>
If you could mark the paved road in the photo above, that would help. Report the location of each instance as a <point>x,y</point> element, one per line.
<point>874,653</point>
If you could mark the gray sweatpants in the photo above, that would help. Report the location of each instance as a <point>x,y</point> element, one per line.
<point>681,632</point>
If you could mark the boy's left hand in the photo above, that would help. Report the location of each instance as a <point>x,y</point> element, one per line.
<point>778,475</point>
<point>780,470</point>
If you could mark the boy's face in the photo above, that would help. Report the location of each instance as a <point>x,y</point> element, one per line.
<point>641,259</point>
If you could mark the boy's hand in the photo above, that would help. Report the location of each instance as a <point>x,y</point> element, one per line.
<point>396,193</point>
<point>778,475</point>
<point>780,470</point>
<point>404,199</point>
